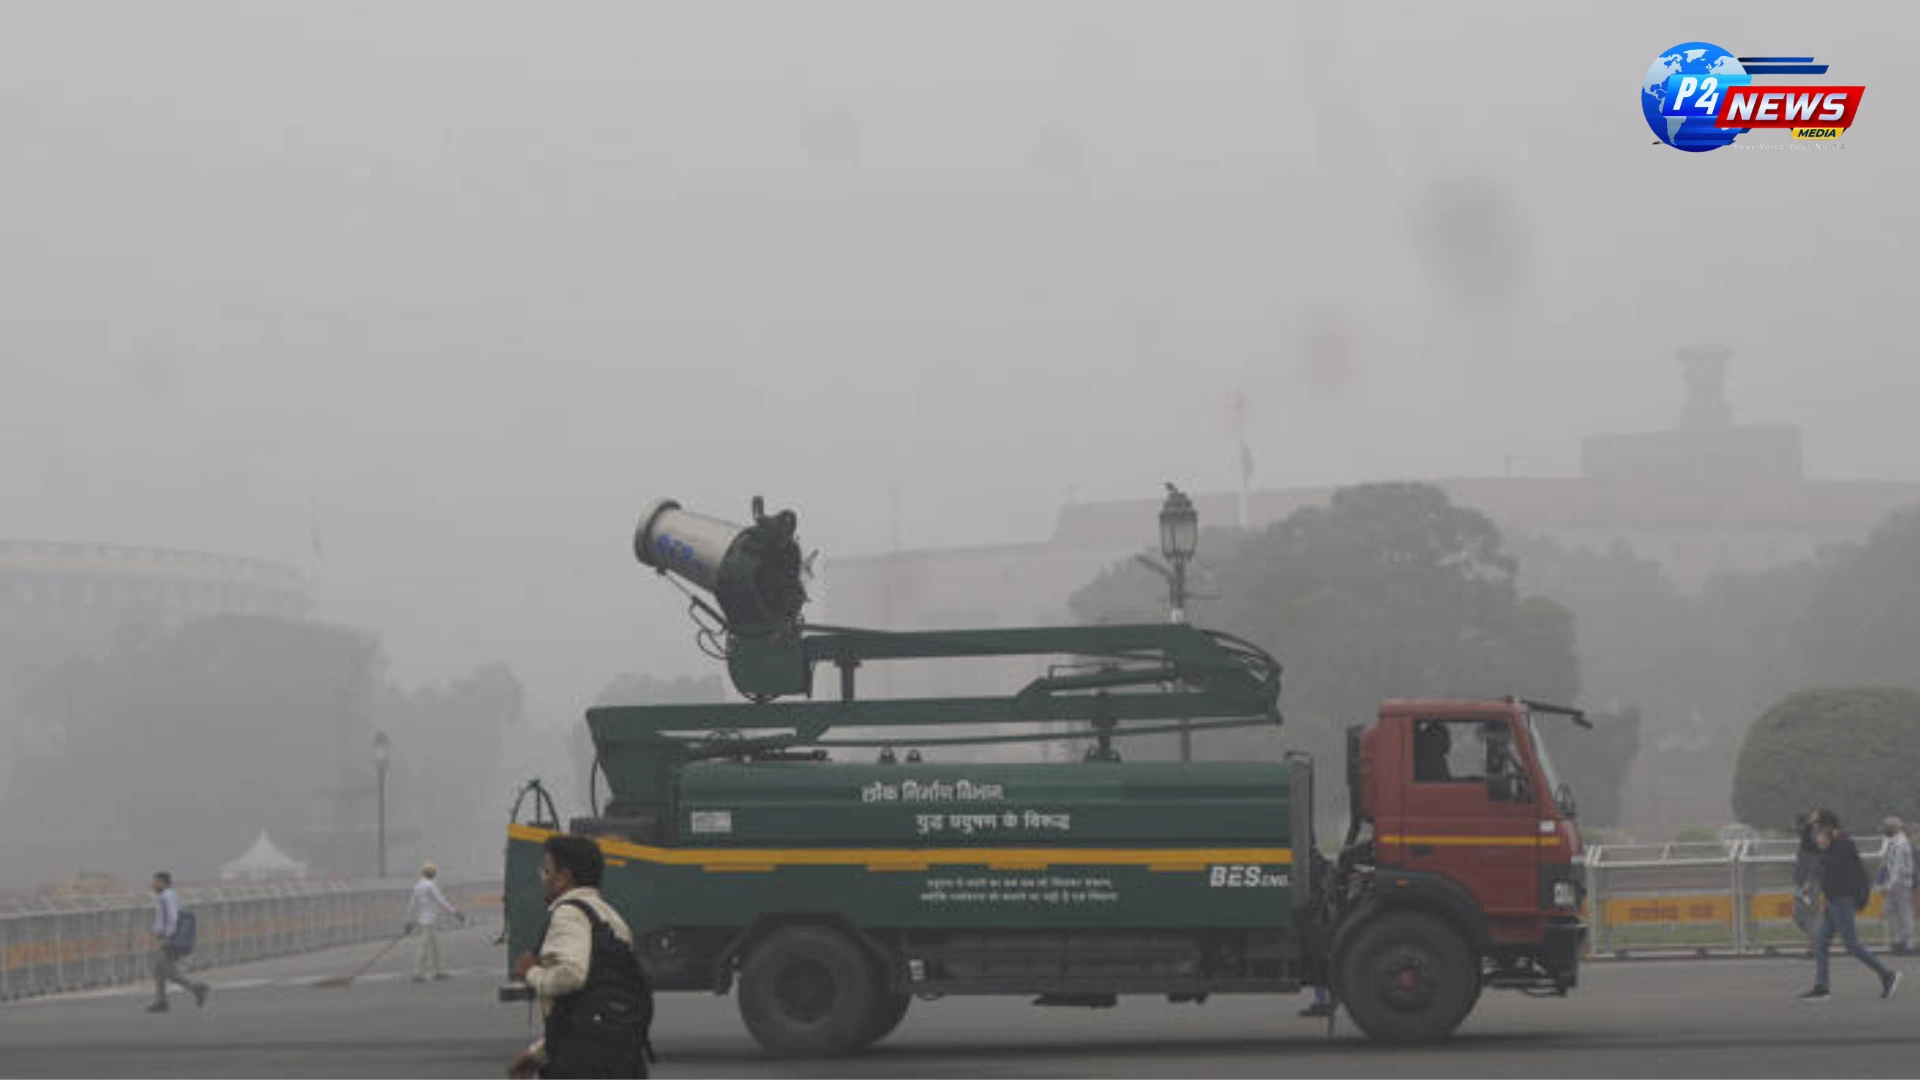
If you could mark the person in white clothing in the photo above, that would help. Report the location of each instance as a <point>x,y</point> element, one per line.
<point>1896,877</point>
<point>423,914</point>
<point>567,960</point>
<point>166,959</point>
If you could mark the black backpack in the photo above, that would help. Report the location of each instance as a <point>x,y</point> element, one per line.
<point>184,930</point>
<point>603,1029</point>
<point>1862,881</point>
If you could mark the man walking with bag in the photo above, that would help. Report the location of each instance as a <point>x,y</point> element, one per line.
<point>166,958</point>
<point>1843,878</point>
<point>596,1001</point>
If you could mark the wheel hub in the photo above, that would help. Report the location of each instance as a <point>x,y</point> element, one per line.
<point>806,991</point>
<point>1407,979</point>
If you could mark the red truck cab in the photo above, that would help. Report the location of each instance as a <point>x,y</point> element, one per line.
<point>1457,814</point>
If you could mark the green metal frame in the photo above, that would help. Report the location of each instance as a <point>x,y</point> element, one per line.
<point>1140,673</point>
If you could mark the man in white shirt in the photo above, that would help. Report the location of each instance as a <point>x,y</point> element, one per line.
<point>423,914</point>
<point>571,874</point>
<point>1896,874</point>
<point>166,963</point>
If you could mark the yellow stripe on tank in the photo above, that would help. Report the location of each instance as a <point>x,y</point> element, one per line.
<point>762,860</point>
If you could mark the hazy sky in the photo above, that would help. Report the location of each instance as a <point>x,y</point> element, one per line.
<point>466,284</point>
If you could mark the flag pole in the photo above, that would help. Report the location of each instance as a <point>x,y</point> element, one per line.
<point>1246,455</point>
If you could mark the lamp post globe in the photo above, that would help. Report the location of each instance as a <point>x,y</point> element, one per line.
<point>1179,539</point>
<point>1179,527</point>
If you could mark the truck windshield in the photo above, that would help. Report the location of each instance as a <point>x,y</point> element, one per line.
<point>1562,795</point>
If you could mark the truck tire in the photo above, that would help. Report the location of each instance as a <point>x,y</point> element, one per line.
<point>1407,978</point>
<point>808,991</point>
<point>888,1011</point>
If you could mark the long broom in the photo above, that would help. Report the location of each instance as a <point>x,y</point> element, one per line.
<point>343,980</point>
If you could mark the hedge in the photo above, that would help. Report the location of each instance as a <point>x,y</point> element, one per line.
<point>1853,749</point>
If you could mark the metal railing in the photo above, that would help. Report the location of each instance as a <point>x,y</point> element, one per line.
<point>53,943</point>
<point>1719,898</point>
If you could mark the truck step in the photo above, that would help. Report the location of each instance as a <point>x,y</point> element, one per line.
<point>1088,1001</point>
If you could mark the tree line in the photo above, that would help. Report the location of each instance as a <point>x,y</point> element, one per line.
<point>1393,590</point>
<point>178,744</point>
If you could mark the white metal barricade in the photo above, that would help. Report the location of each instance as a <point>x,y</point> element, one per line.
<point>1716,898</point>
<point>55,943</point>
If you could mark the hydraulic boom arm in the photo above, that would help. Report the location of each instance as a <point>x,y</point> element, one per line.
<point>1115,675</point>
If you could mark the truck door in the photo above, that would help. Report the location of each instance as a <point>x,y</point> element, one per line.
<point>1453,825</point>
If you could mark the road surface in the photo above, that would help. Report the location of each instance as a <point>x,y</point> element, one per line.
<point>1658,1018</point>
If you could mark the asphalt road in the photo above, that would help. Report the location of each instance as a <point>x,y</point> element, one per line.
<point>1658,1018</point>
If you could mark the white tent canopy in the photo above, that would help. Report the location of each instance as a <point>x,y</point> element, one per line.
<point>261,862</point>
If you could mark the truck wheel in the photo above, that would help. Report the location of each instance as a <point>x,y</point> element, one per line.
<point>1408,978</point>
<point>889,1008</point>
<point>807,991</point>
<point>888,1011</point>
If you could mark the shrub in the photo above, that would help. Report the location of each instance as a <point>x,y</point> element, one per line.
<point>1853,749</point>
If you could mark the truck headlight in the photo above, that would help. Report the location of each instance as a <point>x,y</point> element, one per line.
<point>1565,895</point>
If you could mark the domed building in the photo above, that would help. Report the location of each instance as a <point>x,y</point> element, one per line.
<point>62,599</point>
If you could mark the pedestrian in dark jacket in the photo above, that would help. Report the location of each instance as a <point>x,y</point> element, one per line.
<point>1844,882</point>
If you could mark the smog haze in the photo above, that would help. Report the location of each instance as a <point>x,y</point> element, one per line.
<point>429,300</point>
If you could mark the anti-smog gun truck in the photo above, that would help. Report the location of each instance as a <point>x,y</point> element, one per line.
<point>829,894</point>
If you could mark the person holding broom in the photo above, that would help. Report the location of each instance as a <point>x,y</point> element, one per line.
<point>423,914</point>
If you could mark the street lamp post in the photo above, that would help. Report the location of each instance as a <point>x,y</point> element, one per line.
<point>380,770</point>
<point>1179,538</point>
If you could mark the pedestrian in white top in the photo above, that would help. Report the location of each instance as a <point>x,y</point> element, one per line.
<point>1896,877</point>
<point>166,959</point>
<point>423,914</point>
<point>585,951</point>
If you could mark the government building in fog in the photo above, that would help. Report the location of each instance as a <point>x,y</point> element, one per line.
<point>62,599</point>
<point>1706,496</point>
